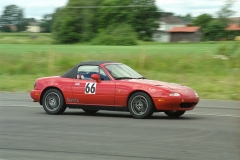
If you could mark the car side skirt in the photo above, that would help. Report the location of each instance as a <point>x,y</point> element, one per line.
<point>91,107</point>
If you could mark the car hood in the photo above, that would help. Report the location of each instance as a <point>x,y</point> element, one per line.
<point>171,86</point>
<point>50,77</point>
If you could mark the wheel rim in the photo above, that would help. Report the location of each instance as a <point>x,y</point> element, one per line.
<point>139,105</point>
<point>52,101</point>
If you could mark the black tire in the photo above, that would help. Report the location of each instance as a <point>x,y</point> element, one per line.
<point>88,111</point>
<point>140,105</point>
<point>53,102</point>
<point>174,114</point>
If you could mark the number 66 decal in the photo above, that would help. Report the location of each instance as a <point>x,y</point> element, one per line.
<point>90,88</point>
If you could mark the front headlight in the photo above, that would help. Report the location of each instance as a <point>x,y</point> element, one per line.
<point>196,94</point>
<point>174,95</point>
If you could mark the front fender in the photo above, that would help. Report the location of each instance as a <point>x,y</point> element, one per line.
<point>151,90</point>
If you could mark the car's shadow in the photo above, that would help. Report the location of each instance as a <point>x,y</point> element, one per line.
<point>110,114</point>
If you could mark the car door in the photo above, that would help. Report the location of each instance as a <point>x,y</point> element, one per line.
<point>87,91</point>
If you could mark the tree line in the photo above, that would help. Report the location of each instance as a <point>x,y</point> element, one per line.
<point>13,15</point>
<point>214,28</point>
<point>100,21</point>
<point>111,21</point>
<point>105,21</point>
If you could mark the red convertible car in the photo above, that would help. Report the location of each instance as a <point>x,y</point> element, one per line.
<point>107,85</point>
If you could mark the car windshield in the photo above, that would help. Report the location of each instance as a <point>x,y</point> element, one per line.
<point>122,71</point>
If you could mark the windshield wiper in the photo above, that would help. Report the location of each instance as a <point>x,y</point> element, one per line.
<point>141,78</point>
<point>123,78</point>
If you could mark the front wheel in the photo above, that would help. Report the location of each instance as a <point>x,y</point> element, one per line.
<point>174,114</point>
<point>140,105</point>
<point>53,102</point>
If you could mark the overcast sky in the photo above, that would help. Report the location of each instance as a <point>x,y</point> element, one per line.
<point>38,8</point>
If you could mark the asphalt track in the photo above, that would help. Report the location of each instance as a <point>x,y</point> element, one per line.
<point>209,132</point>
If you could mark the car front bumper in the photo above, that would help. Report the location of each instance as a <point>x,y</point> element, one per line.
<point>36,94</point>
<point>175,103</point>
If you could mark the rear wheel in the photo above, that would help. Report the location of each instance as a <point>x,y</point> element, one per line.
<point>174,114</point>
<point>53,102</point>
<point>88,111</point>
<point>140,105</point>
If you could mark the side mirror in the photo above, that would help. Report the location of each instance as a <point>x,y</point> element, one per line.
<point>96,77</point>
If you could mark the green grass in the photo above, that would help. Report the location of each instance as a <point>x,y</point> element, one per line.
<point>160,48</point>
<point>26,38</point>
<point>188,64</point>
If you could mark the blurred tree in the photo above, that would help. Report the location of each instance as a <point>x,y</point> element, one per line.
<point>215,30</point>
<point>46,23</point>
<point>12,16</point>
<point>65,29</point>
<point>140,14</point>
<point>113,14</point>
<point>30,20</point>
<point>187,18</point>
<point>81,20</point>
<point>225,12</point>
<point>5,28</point>
<point>120,34</point>
<point>169,13</point>
<point>203,20</point>
<point>145,18</point>
<point>116,20</point>
<point>76,22</point>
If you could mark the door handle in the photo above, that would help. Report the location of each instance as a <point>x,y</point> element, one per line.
<point>77,84</point>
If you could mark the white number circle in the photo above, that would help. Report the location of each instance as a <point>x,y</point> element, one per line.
<point>90,88</point>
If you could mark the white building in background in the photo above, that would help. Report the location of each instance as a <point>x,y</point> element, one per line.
<point>166,23</point>
<point>33,27</point>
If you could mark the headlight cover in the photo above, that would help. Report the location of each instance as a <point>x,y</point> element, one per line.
<point>196,94</point>
<point>174,95</point>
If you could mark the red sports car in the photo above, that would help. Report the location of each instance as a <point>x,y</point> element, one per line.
<point>107,85</point>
